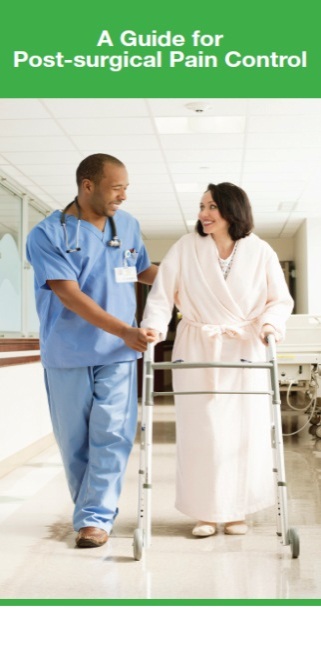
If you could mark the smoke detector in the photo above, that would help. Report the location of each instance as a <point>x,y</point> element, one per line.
<point>198,107</point>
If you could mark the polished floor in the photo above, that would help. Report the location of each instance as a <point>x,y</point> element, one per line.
<point>38,558</point>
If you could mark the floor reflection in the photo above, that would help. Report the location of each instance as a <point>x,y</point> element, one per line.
<point>39,559</point>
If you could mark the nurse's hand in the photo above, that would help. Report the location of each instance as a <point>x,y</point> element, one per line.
<point>138,339</point>
<point>265,331</point>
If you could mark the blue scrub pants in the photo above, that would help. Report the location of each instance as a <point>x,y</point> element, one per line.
<point>94,417</point>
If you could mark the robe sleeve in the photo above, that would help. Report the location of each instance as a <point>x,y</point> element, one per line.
<point>163,294</point>
<point>279,304</point>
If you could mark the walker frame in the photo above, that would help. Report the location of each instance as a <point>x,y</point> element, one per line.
<point>142,534</point>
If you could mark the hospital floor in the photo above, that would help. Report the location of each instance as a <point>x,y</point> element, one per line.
<point>38,558</point>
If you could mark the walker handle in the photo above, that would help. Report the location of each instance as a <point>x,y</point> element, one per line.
<point>149,353</point>
<point>270,339</point>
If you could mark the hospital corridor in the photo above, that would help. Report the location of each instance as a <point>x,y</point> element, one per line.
<point>220,198</point>
<point>39,559</point>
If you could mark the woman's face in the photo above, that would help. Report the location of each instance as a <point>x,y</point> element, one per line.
<point>210,217</point>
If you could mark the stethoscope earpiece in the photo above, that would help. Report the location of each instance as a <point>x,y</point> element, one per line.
<point>78,248</point>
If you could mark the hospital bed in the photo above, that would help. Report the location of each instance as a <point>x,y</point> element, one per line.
<point>299,365</point>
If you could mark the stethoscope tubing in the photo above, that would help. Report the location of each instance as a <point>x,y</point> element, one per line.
<point>114,242</point>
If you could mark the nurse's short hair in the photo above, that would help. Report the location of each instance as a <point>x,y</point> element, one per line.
<point>92,167</point>
<point>234,206</point>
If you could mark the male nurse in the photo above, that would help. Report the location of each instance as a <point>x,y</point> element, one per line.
<point>86,260</point>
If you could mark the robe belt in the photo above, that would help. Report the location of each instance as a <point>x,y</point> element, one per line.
<point>233,331</point>
<point>216,332</point>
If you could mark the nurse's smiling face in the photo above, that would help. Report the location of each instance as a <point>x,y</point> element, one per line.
<point>105,197</point>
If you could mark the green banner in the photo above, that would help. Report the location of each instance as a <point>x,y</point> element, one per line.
<point>232,49</point>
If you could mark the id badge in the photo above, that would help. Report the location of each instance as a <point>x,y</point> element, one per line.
<point>126,274</point>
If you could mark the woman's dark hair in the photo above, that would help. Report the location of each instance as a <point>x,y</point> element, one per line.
<point>93,167</point>
<point>234,206</point>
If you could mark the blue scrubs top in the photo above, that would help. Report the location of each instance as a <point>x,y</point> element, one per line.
<point>66,339</point>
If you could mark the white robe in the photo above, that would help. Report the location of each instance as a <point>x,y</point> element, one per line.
<point>224,455</point>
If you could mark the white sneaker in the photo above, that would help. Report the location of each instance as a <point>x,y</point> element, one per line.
<point>202,529</point>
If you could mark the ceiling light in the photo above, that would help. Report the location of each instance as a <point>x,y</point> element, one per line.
<point>198,107</point>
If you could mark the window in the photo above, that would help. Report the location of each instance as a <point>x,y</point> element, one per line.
<point>10,263</point>
<point>19,213</point>
<point>34,217</point>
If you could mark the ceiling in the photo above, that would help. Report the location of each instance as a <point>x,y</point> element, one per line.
<point>269,147</point>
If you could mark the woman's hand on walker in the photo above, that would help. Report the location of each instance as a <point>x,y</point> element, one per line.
<point>152,336</point>
<point>265,331</point>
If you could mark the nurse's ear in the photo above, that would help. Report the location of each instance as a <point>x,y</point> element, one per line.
<point>87,186</point>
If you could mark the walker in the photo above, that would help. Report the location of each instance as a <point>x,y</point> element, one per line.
<point>142,534</point>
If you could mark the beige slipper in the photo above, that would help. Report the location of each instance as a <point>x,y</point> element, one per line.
<point>236,528</point>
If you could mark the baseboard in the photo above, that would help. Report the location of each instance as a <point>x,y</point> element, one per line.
<point>20,457</point>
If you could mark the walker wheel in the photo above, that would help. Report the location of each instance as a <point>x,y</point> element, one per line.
<point>294,542</point>
<point>318,432</point>
<point>138,544</point>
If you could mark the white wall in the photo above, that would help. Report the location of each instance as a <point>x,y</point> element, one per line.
<point>307,256</point>
<point>158,248</point>
<point>283,247</point>
<point>301,267</point>
<point>24,415</point>
<point>313,227</point>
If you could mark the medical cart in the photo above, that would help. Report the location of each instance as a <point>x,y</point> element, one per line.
<point>299,366</point>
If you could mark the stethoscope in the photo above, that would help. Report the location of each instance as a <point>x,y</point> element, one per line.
<point>114,242</point>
